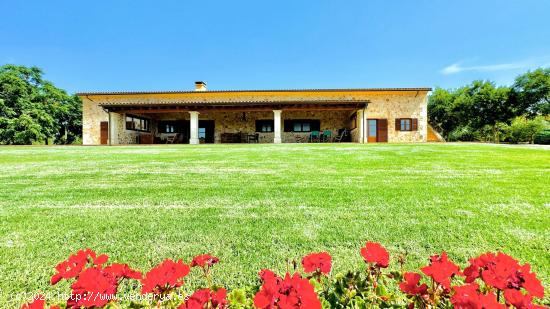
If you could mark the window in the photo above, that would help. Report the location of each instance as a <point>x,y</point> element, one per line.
<point>171,126</point>
<point>405,124</point>
<point>136,123</point>
<point>202,133</point>
<point>299,125</point>
<point>264,126</point>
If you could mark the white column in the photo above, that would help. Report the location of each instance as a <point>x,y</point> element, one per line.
<point>277,126</point>
<point>361,126</point>
<point>194,130</point>
<point>114,121</point>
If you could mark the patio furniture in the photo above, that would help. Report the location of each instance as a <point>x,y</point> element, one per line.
<point>326,136</point>
<point>171,139</point>
<point>253,138</point>
<point>343,134</point>
<point>314,136</point>
<point>300,138</point>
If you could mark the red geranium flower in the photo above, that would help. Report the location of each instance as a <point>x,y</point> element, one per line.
<point>374,253</point>
<point>317,262</point>
<point>501,271</point>
<point>205,298</point>
<point>164,277</point>
<point>120,271</point>
<point>76,263</point>
<point>94,288</point>
<point>411,286</point>
<point>441,269</point>
<point>468,297</point>
<point>518,299</point>
<point>290,292</point>
<point>204,260</point>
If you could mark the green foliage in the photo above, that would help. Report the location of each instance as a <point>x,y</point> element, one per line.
<point>531,92</point>
<point>33,110</point>
<point>523,129</point>
<point>480,110</point>
<point>543,137</point>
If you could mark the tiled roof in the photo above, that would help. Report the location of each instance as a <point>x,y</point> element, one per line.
<point>276,90</point>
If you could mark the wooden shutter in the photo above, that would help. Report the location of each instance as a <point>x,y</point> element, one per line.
<point>414,124</point>
<point>104,132</point>
<point>382,130</point>
<point>397,124</point>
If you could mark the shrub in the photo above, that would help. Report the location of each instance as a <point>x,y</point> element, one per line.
<point>464,134</point>
<point>491,280</point>
<point>524,130</point>
<point>542,138</point>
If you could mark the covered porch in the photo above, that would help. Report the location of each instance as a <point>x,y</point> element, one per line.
<point>236,122</point>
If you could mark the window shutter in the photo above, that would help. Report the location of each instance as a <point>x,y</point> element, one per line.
<point>414,125</point>
<point>397,124</point>
<point>382,131</point>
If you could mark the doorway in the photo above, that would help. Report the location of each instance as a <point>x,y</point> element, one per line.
<point>377,130</point>
<point>206,131</point>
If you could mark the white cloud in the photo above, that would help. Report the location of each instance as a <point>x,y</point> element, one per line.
<point>456,68</point>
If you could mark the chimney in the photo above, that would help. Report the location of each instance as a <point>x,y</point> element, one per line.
<point>200,86</point>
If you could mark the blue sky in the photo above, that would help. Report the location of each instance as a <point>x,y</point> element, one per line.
<point>167,45</point>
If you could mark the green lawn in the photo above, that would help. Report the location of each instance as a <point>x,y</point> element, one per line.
<point>256,205</point>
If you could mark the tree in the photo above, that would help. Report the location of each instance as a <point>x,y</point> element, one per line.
<point>531,93</point>
<point>33,110</point>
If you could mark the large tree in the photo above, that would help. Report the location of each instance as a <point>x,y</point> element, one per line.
<point>531,93</point>
<point>33,110</point>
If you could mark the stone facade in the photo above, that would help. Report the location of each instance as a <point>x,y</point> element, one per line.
<point>383,104</point>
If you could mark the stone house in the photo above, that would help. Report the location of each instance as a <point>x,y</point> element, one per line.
<point>265,116</point>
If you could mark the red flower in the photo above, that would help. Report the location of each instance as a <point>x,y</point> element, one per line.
<point>205,298</point>
<point>518,299</point>
<point>76,263</point>
<point>204,260</point>
<point>94,287</point>
<point>504,272</point>
<point>120,271</point>
<point>164,277</point>
<point>441,269</point>
<point>410,285</point>
<point>374,253</point>
<point>317,262</point>
<point>290,292</point>
<point>468,296</point>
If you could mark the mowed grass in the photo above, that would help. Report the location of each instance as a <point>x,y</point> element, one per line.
<point>254,206</point>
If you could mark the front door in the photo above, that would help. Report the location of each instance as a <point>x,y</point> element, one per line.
<point>377,130</point>
<point>104,132</point>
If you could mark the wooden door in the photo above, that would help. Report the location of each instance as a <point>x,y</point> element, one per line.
<point>377,130</point>
<point>382,129</point>
<point>104,132</point>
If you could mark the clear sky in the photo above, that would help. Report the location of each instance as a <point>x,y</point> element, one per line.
<point>279,44</point>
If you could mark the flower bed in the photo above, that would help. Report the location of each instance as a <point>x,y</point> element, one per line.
<point>491,280</point>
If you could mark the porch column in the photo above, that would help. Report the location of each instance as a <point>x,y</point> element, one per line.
<point>194,138</point>
<point>114,122</point>
<point>361,126</point>
<point>277,126</point>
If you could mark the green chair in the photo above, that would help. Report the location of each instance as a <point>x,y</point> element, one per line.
<point>327,136</point>
<point>314,136</point>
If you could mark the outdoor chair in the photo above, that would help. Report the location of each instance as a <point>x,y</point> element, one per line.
<point>171,139</point>
<point>326,136</point>
<point>254,138</point>
<point>340,137</point>
<point>314,136</point>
